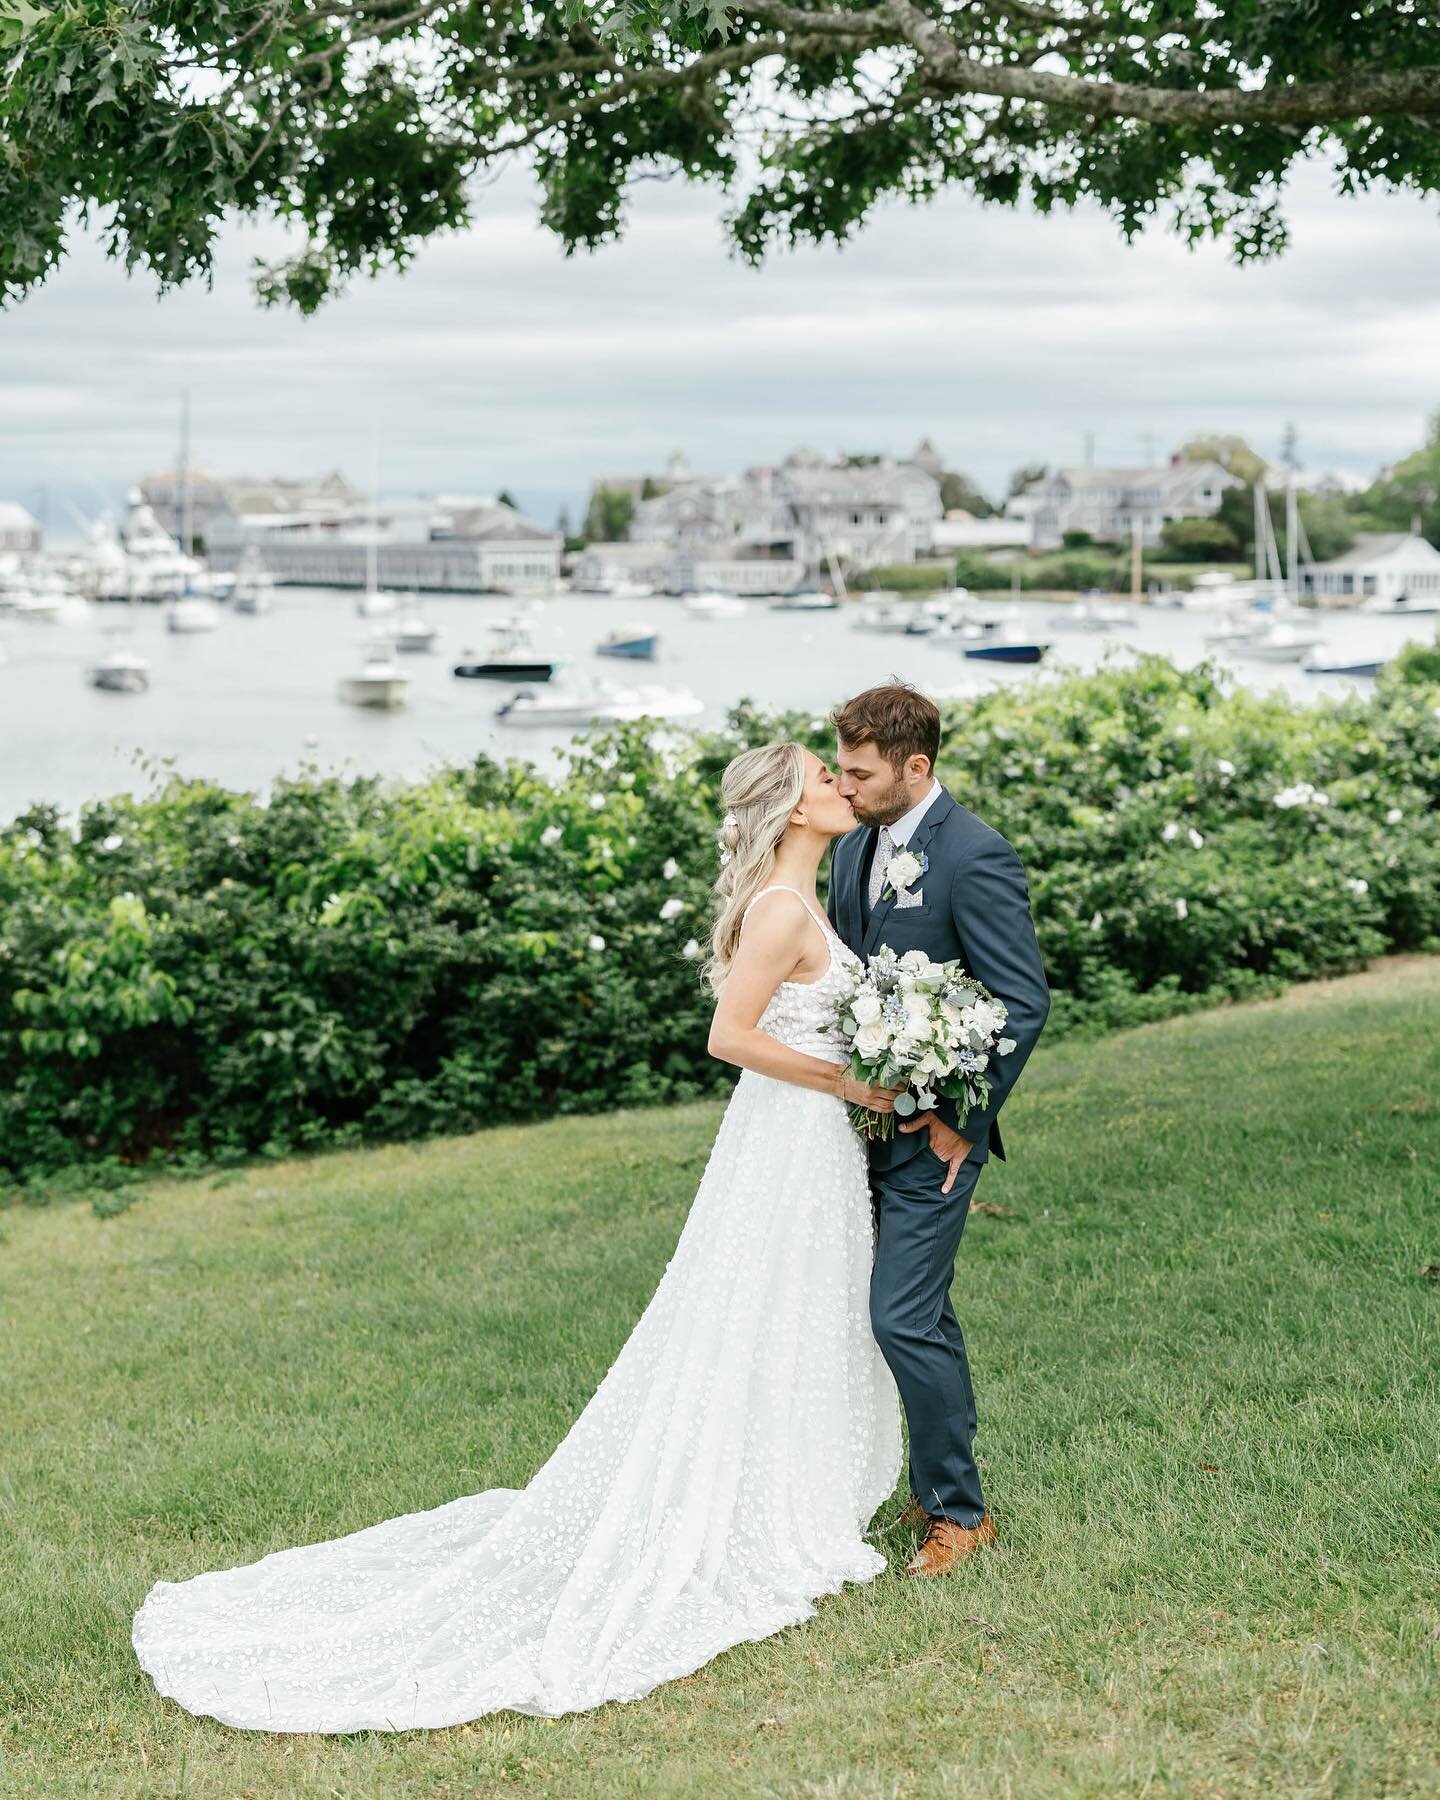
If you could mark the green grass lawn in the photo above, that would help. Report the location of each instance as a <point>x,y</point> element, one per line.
<point>1205,1353</point>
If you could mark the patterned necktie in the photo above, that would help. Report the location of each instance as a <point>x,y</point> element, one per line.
<point>884,850</point>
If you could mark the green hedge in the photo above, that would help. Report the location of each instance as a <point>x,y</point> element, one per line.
<point>202,975</point>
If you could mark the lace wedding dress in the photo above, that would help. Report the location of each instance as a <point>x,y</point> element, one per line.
<point>720,1480</point>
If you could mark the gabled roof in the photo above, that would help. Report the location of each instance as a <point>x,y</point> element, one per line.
<point>1385,546</point>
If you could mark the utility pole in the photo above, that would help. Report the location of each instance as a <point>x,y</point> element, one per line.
<point>1292,538</point>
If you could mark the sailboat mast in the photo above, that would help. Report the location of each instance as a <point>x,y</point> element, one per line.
<point>372,548</point>
<point>184,482</point>
<point>1292,537</point>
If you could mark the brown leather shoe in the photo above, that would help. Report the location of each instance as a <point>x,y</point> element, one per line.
<point>947,1543</point>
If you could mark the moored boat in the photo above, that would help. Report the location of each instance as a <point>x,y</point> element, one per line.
<point>120,672</point>
<point>636,642</point>
<point>378,683</point>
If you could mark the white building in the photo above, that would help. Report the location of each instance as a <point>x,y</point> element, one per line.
<point>449,543</point>
<point>802,512</point>
<point>1381,566</point>
<point>1108,503</point>
<point>19,530</point>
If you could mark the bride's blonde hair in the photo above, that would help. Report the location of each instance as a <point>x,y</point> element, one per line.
<point>760,789</point>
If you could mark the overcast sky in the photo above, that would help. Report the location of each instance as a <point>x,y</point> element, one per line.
<point>495,361</point>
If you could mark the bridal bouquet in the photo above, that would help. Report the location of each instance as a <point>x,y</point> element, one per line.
<point>923,1026</point>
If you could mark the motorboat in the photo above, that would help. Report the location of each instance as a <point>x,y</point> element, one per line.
<point>655,703</point>
<point>48,606</point>
<point>927,617</point>
<point>807,600</point>
<point>550,706</point>
<point>411,634</point>
<point>1277,643</point>
<point>191,613</point>
<point>120,672</point>
<point>999,648</point>
<point>375,603</point>
<point>378,683</point>
<point>887,618</point>
<point>1403,606</point>
<point>511,657</point>
<point>1091,615</point>
<point>636,642</point>
<point>564,706</point>
<point>253,588</point>
<point>1318,664</point>
<point>613,587</point>
<point>715,605</point>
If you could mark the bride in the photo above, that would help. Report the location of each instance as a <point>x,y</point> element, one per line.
<point>725,1471</point>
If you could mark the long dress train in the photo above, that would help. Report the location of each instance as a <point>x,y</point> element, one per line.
<point>721,1478</point>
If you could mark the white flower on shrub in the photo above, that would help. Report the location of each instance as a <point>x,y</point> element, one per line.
<point>1196,839</point>
<point>626,778</point>
<point>1225,766</point>
<point>1170,833</point>
<point>551,836</point>
<point>692,949</point>
<point>672,909</point>
<point>113,842</point>
<point>1357,884</point>
<point>1394,816</point>
<point>671,869</point>
<point>1182,909</point>
<point>596,802</point>
<point>595,941</point>
<point>1302,794</point>
<point>1097,921</point>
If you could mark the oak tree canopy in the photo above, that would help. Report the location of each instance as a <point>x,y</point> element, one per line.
<point>372,125</point>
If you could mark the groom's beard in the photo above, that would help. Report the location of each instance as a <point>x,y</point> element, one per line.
<point>883,809</point>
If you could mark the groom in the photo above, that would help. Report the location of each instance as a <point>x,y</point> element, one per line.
<point>970,902</point>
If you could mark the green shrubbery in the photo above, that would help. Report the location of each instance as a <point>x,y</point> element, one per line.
<point>201,975</point>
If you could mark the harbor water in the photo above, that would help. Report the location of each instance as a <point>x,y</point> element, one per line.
<point>257,697</point>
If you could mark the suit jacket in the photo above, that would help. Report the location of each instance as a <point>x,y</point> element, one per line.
<point>975,905</point>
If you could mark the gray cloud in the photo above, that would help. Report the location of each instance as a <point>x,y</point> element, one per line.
<point>498,361</point>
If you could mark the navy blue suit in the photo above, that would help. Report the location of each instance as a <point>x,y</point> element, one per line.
<point>972,904</point>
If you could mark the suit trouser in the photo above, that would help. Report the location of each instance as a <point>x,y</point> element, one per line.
<point>917,1331</point>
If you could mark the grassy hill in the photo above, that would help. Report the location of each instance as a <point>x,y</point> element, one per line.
<point>1204,1342</point>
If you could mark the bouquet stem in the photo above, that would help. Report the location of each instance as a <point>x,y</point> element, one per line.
<point>872,1124</point>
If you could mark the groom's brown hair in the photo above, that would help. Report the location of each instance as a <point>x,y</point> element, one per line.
<point>896,718</point>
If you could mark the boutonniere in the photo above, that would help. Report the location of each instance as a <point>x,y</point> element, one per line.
<point>901,872</point>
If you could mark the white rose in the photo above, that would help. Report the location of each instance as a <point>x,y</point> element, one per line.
<point>870,1040</point>
<point>866,1009</point>
<point>596,942</point>
<point>692,949</point>
<point>901,870</point>
<point>915,962</point>
<point>672,909</point>
<point>671,869</point>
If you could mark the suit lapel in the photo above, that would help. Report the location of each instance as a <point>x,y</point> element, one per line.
<point>943,805</point>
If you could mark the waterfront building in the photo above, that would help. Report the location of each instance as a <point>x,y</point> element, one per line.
<point>1109,503</point>
<point>20,531</point>
<point>437,544</point>
<point>1382,566</point>
<point>962,531</point>
<point>211,495</point>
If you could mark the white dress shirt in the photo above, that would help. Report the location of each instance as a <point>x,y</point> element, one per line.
<point>904,827</point>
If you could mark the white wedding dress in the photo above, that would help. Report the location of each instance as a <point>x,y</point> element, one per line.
<point>722,1477</point>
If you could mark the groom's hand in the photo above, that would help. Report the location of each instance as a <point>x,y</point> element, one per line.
<point>948,1145</point>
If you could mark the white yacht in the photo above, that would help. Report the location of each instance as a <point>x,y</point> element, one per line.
<point>253,588</point>
<point>715,605</point>
<point>192,613</point>
<point>379,682</point>
<point>411,634</point>
<point>120,672</point>
<point>1279,642</point>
